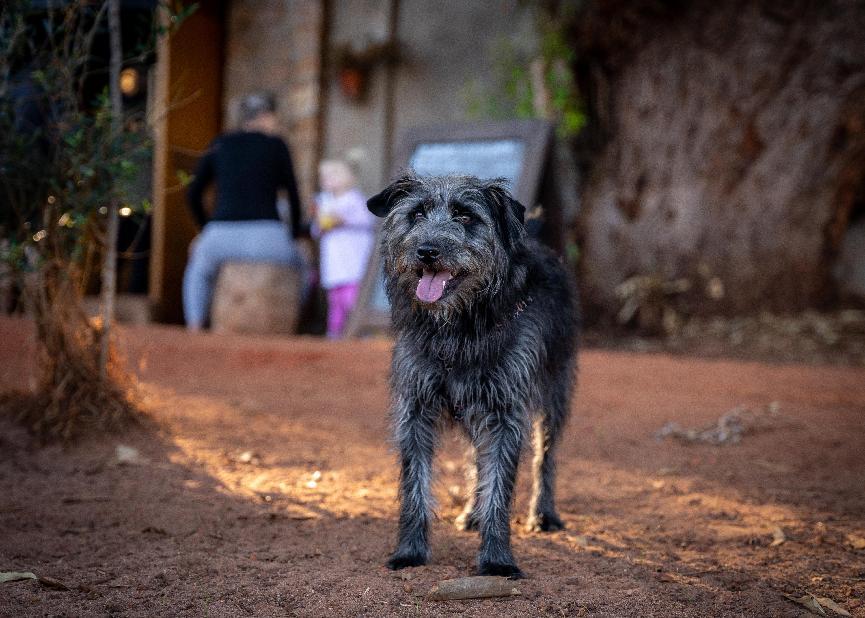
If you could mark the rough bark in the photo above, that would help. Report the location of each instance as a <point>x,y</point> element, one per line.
<point>734,152</point>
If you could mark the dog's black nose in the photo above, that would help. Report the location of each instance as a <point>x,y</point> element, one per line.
<point>427,254</point>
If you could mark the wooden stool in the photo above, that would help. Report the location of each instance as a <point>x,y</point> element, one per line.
<point>256,297</point>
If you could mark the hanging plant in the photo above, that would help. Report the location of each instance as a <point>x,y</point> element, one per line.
<point>354,67</point>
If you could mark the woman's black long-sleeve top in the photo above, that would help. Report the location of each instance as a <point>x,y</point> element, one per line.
<point>248,168</point>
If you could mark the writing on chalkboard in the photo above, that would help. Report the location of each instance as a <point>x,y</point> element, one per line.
<point>501,158</point>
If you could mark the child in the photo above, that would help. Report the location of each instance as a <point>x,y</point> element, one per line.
<point>345,229</point>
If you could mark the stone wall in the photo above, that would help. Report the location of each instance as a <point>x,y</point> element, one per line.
<point>276,45</point>
<point>279,45</point>
<point>358,128</point>
<point>447,51</point>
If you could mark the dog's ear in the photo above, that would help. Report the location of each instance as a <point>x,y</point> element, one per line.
<point>380,205</point>
<point>509,214</point>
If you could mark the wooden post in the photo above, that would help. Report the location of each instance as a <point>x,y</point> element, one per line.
<point>390,95</point>
<point>187,115</point>
<point>109,265</point>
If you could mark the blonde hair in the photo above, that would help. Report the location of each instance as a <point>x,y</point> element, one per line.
<point>336,175</point>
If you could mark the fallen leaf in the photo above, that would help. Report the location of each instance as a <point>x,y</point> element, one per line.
<point>12,576</point>
<point>48,582</point>
<point>477,587</point>
<point>53,584</point>
<point>809,602</point>
<point>827,602</point>
<point>154,530</point>
<point>855,541</point>
<point>778,537</point>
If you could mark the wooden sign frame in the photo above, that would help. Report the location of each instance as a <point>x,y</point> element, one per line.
<point>535,136</point>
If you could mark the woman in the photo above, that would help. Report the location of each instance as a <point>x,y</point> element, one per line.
<point>249,167</point>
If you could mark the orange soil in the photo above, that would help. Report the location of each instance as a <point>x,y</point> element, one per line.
<point>653,527</point>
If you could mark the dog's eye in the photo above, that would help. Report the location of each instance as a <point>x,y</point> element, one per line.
<point>418,214</point>
<point>462,217</point>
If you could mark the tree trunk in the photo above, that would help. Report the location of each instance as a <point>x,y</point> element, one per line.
<point>735,151</point>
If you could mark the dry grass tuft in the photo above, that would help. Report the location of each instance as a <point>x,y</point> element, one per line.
<point>72,397</point>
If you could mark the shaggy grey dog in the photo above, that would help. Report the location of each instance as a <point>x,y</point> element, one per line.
<point>485,325</point>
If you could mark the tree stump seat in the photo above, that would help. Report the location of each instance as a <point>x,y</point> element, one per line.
<point>257,298</point>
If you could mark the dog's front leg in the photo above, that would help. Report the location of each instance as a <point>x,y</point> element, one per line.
<point>415,434</point>
<point>498,450</point>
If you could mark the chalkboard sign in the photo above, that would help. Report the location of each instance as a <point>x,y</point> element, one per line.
<point>513,150</point>
<point>501,158</point>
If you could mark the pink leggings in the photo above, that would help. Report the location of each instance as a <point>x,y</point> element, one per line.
<point>340,302</point>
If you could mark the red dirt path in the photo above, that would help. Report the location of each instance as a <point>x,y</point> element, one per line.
<point>654,527</point>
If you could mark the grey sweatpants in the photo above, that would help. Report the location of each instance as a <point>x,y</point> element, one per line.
<point>223,241</point>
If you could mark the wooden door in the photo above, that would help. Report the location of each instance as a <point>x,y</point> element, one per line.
<point>187,116</point>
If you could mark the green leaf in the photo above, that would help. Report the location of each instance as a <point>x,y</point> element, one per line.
<point>73,138</point>
<point>572,252</point>
<point>184,178</point>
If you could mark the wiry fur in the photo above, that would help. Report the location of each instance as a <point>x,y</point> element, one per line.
<point>495,355</point>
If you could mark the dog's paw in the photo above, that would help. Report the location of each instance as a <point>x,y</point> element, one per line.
<point>544,522</point>
<point>509,570</point>
<point>466,522</point>
<point>401,561</point>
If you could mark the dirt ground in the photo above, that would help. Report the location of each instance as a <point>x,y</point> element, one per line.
<point>266,486</point>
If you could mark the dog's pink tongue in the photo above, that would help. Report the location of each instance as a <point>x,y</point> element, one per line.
<point>432,285</point>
